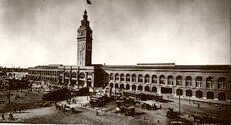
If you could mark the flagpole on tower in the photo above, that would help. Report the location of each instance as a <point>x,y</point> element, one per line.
<point>85,5</point>
<point>87,2</point>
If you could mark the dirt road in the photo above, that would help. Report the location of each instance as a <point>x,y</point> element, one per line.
<point>50,115</point>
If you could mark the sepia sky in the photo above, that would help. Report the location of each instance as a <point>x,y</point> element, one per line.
<point>125,32</point>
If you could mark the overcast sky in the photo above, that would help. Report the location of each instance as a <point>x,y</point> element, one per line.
<point>185,32</point>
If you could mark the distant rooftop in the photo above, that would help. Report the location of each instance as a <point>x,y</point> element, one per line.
<point>156,64</point>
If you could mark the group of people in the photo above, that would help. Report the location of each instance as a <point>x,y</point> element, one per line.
<point>64,107</point>
<point>11,117</point>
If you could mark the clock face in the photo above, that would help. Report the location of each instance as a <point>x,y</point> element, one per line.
<point>81,46</point>
<point>81,33</point>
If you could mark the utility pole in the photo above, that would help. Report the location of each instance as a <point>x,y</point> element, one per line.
<point>179,103</point>
<point>9,88</point>
<point>63,81</point>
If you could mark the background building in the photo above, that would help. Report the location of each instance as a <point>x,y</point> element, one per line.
<point>196,81</point>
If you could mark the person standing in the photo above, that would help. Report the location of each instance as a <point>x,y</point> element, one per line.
<point>97,112</point>
<point>11,116</point>
<point>3,116</point>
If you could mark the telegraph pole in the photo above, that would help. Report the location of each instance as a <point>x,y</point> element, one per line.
<point>179,102</point>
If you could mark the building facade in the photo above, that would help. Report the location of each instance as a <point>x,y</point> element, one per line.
<point>195,81</point>
<point>202,82</point>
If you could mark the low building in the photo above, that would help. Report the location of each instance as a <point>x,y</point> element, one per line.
<point>196,81</point>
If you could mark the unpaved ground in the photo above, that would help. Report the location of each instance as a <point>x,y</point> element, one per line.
<point>50,115</point>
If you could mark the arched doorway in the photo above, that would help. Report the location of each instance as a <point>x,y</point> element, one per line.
<point>116,85</point>
<point>210,95</point>
<point>133,87</point>
<point>199,94</point>
<point>140,88</point>
<point>179,92</point>
<point>189,93</point>
<point>146,88</point>
<point>221,96</point>
<point>127,87</point>
<point>154,89</point>
<point>122,86</point>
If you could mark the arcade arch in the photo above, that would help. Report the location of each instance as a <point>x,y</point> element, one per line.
<point>199,94</point>
<point>146,88</point>
<point>210,95</point>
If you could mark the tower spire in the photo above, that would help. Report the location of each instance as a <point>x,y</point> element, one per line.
<point>84,42</point>
<point>85,15</point>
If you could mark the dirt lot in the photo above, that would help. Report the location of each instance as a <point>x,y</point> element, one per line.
<point>31,113</point>
<point>19,100</point>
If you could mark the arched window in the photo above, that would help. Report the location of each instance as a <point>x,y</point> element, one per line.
<point>147,78</point>
<point>179,80</point>
<point>111,76</point>
<point>133,77</point>
<point>162,79</point>
<point>154,79</point>
<point>188,81</point>
<point>198,81</point>
<point>81,75</point>
<point>128,77</point>
<point>67,74</point>
<point>209,82</point>
<point>121,77</point>
<point>221,83</point>
<point>170,80</point>
<point>140,78</point>
<point>117,77</point>
<point>74,75</point>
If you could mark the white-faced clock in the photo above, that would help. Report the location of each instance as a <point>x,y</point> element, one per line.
<point>81,33</point>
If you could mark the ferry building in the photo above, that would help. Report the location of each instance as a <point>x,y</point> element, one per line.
<point>206,82</point>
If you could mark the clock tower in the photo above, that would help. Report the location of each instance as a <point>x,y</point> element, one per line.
<point>84,42</point>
